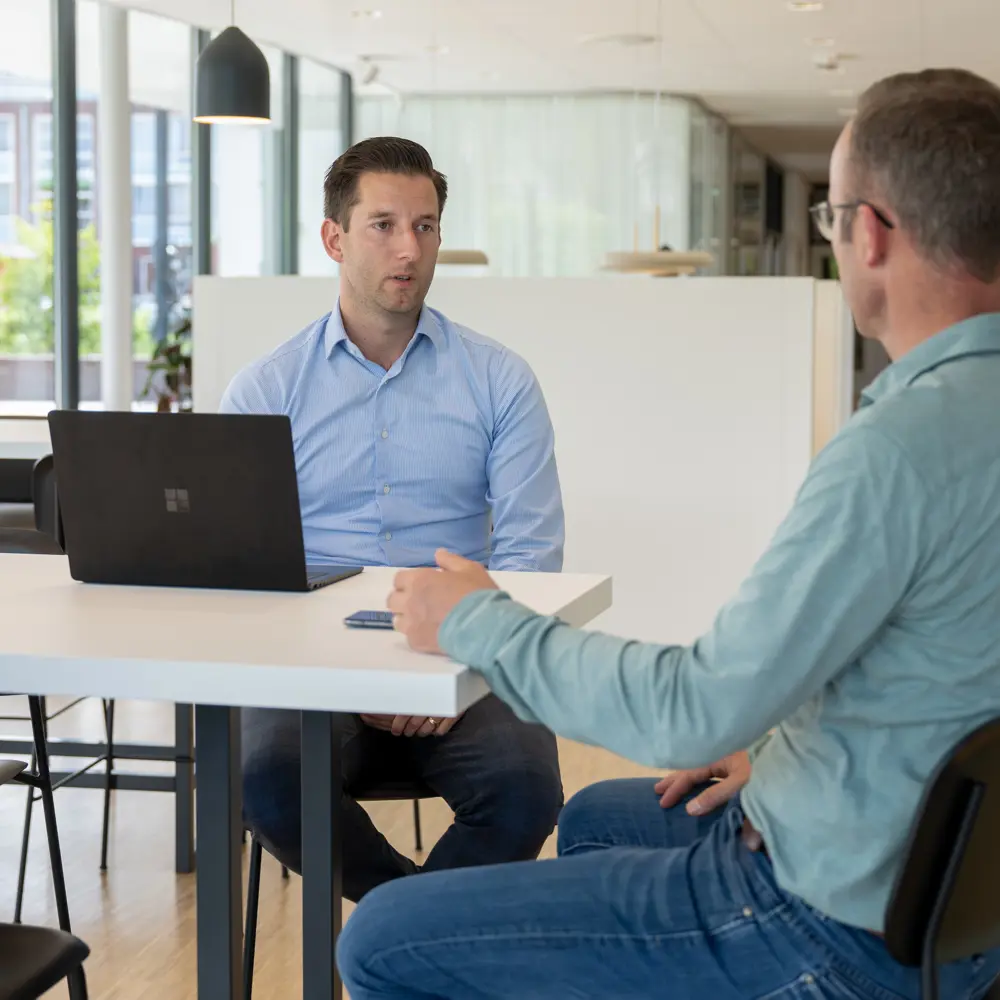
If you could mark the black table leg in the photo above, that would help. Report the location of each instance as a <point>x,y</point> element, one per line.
<point>184,789</point>
<point>321,854</point>
<point>220,906</point>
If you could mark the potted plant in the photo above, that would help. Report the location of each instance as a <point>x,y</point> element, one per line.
<point>169,370</point>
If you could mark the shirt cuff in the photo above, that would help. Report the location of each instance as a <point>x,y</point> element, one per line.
<point>479,625</point>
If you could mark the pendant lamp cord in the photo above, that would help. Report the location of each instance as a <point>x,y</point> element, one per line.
<point>232,11</point>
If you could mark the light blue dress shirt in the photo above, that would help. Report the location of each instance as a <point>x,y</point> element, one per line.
<point>394,464</point>
<point>868,634</point>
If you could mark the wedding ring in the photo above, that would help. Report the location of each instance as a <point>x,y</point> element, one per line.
<point>434,723</point>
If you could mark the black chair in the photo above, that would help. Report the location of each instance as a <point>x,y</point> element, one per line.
<point>34,959</point>
<point>46,502</point>
<point>390,791</point>
<point>945,904</point>
<point>26,541</point>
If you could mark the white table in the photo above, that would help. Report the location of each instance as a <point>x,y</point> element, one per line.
<point>223,650</point>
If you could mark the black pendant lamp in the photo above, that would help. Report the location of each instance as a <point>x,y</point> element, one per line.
<point>232,81</point>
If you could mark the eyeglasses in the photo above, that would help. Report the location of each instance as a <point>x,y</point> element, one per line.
<point>824,215</point>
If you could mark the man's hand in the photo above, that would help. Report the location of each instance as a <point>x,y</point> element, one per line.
<point>734,772</point>
<point>410,725</point>
<point>423,598</point>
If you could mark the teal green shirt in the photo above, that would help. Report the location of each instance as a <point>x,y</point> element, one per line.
<point>867,636</point>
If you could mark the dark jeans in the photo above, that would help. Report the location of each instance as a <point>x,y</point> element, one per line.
<point>642,904</point>
<point>499,775</point>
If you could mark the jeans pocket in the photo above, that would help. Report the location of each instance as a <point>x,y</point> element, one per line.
<point>830,985</point>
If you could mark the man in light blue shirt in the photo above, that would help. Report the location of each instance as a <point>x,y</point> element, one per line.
<point>862,648</point>
<point>410,432</point>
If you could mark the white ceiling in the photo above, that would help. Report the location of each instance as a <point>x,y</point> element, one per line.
<point>752,60</point>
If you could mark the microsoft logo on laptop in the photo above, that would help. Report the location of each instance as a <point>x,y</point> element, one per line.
<point>177,501</point>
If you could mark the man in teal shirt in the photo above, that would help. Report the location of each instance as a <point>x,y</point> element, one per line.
<point>864,645</point>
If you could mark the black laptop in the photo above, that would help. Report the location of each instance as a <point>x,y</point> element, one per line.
<point>182,500</point>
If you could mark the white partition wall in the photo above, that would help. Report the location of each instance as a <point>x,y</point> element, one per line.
<point>683,412</point>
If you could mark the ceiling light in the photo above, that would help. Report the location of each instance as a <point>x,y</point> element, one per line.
<point>372,15</point>
<point>438,50</point>
<point>805,6</point>
<point>232,81</point>
<point>821,42</point>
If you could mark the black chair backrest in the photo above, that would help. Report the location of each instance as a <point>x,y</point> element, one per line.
<point>43,490</point>
<point>945,904</point>
<point>28,542</point>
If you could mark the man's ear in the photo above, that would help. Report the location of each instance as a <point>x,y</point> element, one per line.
<point>872,235</point>
<point>333,236</point>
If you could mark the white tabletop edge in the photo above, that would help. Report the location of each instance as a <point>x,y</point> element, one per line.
<point>242,649</point>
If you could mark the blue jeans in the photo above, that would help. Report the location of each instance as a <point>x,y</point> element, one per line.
<point>499,775</point>
<point>642,903</point>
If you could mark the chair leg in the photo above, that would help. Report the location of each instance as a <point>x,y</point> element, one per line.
<point>109,765</point>
<point>250,934</point>
<point>22,870</point>
<point>77,981</point>
<point>418,838</point>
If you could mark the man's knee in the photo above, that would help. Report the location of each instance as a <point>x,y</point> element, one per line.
<point>584,821</point>
<point>371,927</point>
<point>520,802</point>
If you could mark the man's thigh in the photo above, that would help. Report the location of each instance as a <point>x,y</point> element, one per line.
<point>626,812</point>
<point>623,923</point>
<point>488,741</point>
<point>272,737</point>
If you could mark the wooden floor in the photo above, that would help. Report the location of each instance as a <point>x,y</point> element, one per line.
<point>138,918</point>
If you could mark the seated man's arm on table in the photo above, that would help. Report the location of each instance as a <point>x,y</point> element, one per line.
<point>524,493</point>
<point>833,576</point>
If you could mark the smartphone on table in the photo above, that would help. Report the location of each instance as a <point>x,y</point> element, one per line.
<point>369,619</point>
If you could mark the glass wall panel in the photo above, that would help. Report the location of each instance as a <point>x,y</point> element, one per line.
<point>26,276</point>
<point>321,141</point>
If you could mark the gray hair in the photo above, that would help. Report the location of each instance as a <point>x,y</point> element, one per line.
<point>928,145</point>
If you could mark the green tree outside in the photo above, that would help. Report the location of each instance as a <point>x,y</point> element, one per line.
<point>27,319</point>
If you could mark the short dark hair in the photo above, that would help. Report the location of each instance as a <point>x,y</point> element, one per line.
<point>928,145</point>
<point>381,155</point>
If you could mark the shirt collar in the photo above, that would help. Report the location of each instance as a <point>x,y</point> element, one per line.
<point>428,325</point>
<point>978,335</point>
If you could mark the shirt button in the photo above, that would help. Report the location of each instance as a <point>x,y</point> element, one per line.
<point>385,433</point>
<point>385,489</point>
<point>747,912</point>
<point>808,979</point>
<point>388,536</point>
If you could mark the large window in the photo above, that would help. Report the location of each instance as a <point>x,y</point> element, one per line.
<point>159,72</point>
<point>248,188</point>
<point>26,282</point>
<point>321,141</point>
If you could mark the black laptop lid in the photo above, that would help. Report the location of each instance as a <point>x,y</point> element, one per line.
<point>189,500</point>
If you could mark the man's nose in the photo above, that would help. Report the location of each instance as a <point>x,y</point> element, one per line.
<point>407,246</point>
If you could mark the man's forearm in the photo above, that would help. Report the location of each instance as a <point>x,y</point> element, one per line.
<point>626,696</point>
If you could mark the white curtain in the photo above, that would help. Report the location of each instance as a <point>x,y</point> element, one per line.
<point>546,185</point>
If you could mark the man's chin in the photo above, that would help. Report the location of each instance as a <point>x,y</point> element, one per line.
<point>403,302</point>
